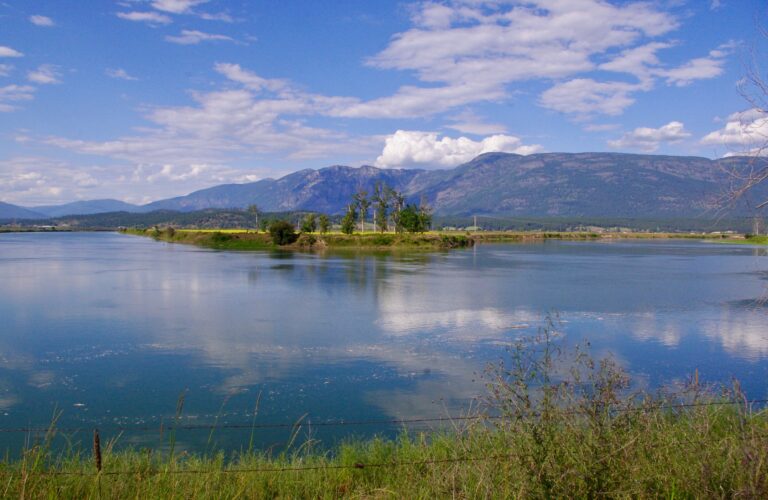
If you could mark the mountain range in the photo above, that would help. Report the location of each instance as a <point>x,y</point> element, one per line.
<point>547,184</point>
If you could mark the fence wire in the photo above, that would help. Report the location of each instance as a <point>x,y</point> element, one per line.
<point>372,422</point>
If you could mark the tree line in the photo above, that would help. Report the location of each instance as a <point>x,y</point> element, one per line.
<point>390,213</point>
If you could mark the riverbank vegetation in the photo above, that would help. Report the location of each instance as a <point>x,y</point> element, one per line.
<point>285,237</point>
<point>554,423</point>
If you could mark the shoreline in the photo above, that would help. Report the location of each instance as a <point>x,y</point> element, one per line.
<point>248,240</point>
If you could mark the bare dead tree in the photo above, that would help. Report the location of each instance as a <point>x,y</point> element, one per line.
<point>753,87</point>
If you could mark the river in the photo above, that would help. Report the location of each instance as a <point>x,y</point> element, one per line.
<point>107,330</point>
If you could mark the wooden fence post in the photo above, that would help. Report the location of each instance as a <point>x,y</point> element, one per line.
<point>97,449</point>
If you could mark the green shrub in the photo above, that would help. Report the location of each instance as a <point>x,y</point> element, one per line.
<point>282,232</point>
<point>219,237</point>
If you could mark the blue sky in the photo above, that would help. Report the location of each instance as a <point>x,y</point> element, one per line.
<point>144,99</point>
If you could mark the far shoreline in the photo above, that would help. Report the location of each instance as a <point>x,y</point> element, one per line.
<point>251,240</point>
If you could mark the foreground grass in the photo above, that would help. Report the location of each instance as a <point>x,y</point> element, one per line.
<point>552,425</point>
<point>707,451</point>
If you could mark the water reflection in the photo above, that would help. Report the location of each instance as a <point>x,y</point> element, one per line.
<point>120,324</point>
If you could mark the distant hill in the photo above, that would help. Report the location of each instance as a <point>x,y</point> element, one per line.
<point>539,185</point>
<point>87,208</point>
<point>548,184</point>
<point>10,212</point>
<point>327,190</point>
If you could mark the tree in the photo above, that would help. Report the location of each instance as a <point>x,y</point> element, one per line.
<point>381,197</point>
<point>309,224</point>
<point>362,202</point>
<point>325,224</point>
<point>398,203</point>
<point>752,128</point>
<point>253,213</point>
<point>348,222</point>
<point>412,219</point>
<point>282,232</point>
<point>425,214</point>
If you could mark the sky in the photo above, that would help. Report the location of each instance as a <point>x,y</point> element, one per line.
<point>141,100</point>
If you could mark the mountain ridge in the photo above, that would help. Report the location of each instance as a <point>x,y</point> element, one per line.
<point>542,184</point>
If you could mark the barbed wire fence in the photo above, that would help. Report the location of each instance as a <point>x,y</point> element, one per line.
<point>97,454</point>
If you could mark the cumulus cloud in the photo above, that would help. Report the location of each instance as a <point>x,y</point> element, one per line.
<point>9,52</point>
<point>45,74</point>
<point>409,147</point>
<point>649,139</point>
<point>193,37</point>
<point>151,18</point>
<point>119,74</point>
<point>744,133</point>
<point>44,21</point>
<point>12,94</point>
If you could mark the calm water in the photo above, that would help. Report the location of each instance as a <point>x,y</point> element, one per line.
<point>109,329</point>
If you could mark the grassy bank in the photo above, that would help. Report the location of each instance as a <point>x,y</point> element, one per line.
<point>551,425</point>
<point>749,240</point>
<point>250,240</point>
<point>242,239</point>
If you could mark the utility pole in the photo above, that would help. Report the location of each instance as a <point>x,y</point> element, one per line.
<point>475,224</point>
<point>756,226</point>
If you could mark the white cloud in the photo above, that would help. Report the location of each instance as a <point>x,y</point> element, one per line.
<point>470,51</point>
<point>469,123</point>
<point>12,94</point>
<point>9,52</point>
<point>701,68</point>
<point>636,61</point>
<point>219,16</point>
<point>584,97</point>
<point>744,133</point>
<point>649,139</point>
<point>176,6</point>
<point>250,80</point>
<point>408,147</point>
<point>38,20</point>
<point>5,69</point>
<point>145,17</point>
<point>45,74</point>
<point>193,37</point>
<point>119,74</point>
